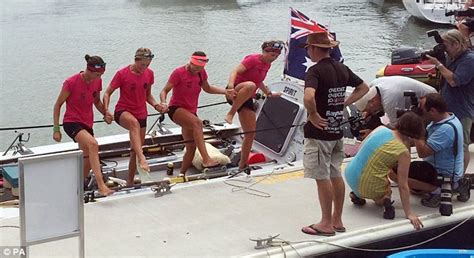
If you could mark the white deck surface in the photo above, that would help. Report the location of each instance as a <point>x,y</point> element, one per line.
<point>207,219</point>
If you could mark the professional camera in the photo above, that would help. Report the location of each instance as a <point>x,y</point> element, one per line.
<point>358,123</point>
<point>411,104</point>
<point>445,206</point>
<point>438,50</point>
<point>468,12</point>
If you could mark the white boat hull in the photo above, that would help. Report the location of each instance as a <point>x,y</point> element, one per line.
<point>433,11</point>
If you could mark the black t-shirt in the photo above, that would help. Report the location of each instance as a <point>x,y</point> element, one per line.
<point>329,78</point>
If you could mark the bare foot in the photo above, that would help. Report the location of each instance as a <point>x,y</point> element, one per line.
<point>210,163</point>
<point>105,191</point>
<point>144,165</point>
<point>229,118</point>
<point>337,223</point>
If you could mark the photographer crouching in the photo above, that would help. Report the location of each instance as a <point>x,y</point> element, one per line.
<point>442,167</point>
<point>458,82</point>
<point>386,95</point>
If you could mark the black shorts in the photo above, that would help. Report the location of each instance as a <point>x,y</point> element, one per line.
<point>423,171</point>
<point>117,115</point>
<point>73,128</point>
<point>247,104</point>
<point>172,110</point>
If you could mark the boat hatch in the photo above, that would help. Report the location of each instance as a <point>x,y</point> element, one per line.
<point>276,123</point>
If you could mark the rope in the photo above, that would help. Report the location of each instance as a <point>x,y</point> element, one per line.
<point>218,132</point>
<point>95,122</point>
<point>248,189</point>
<point>282,241</point>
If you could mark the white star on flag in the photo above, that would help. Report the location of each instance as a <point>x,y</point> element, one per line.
<point>308,63</point>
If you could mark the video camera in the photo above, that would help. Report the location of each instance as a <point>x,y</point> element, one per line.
<point>438,50</point>
<point>411,104</point>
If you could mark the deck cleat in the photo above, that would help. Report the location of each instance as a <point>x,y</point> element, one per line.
<point>162,188</point>
<point>264,242</point>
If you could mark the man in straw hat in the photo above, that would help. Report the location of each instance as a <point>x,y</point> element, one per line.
<point>324,100</point>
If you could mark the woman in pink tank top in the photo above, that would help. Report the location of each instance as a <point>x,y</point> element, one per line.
<point>247,78</point>
<point>135,83</point>
<point>186,82</point>
<point>80,92</point>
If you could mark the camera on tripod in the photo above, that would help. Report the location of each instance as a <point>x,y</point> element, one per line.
<point>411,104</point>
<point>438,50</point>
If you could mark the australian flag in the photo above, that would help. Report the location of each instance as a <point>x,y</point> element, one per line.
<point>297,59</point>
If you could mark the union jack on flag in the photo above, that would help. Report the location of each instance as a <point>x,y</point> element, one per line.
<point>297,59</point>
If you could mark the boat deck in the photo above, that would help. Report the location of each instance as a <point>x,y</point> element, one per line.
<point>208,218</point>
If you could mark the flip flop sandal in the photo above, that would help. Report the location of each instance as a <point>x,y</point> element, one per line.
<point>340,229</point>
<point>312,230</point>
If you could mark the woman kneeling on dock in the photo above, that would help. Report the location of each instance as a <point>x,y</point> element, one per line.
<point>382,151</point>
<point>186,82</point>
<point>135,83</point>
<point>80,92</point>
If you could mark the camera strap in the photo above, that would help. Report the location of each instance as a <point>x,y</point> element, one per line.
<point>455,144</point>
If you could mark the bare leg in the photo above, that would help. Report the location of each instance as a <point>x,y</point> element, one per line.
<point>339,189</point>
<point>129,122</point>
<point>189,121</point>
<point>414,184</point>
<point>248,122</point>
<point>86,165</point>
<point>132,168</point>
<point>89,146</point>
<point>244,92</point>
<point>326,194</point>
<point>190,149</point>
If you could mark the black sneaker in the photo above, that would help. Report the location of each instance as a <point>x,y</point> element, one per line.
<point>389,210</point>
<point>464,190</point>
<point>431,201</point>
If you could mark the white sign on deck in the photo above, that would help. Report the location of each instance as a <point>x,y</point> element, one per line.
<point>51,198</point>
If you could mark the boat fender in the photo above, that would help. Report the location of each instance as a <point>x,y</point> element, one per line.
<point>256,157</point>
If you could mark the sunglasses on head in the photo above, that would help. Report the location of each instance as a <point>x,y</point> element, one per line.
<point>149,56</point>
<point>276,45</point>
<point>97,66</point>
<point>201,60</point>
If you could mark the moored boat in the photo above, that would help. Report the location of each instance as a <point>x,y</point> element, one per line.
<point>433,10</point>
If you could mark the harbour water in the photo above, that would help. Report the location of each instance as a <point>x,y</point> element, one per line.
<point>44,42</point>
